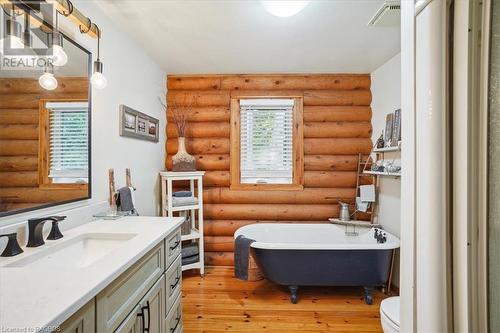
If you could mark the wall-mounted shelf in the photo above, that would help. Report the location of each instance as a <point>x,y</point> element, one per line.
<point>381,173</point>
<point>387,149</point>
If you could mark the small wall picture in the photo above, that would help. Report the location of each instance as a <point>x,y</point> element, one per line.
<point>389,121</point>
<point>138,125</point>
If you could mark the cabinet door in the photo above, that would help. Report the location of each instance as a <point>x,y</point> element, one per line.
<point>133,322</point>
<point>83,321</point>
<point>153,307</point>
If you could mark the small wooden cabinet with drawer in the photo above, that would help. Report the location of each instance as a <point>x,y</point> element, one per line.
<point>145,298</point>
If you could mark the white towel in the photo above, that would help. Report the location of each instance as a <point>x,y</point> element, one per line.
<point>367,193</point>
<point>361,205</point>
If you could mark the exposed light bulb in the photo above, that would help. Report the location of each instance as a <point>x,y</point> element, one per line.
<point>59,57</point>
<point>98,80</point>
<point>48,81</point>
<point>284,8</point>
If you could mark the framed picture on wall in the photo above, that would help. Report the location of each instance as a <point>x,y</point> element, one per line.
<point>396,132</point>
<point>389,122</point>
<point>138,125</point>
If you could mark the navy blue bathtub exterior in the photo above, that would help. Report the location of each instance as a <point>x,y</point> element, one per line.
<point>295,268</point>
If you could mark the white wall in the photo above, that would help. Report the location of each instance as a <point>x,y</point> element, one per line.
<point>136,80</point>
<point>386,98</point>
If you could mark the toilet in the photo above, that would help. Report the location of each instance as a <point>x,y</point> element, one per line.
<point>389,314</point>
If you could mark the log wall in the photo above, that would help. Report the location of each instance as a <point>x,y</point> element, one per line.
<point>337,126</point>
<point>19,131</point>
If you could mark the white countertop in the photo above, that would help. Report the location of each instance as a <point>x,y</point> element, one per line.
<point>39,297</point>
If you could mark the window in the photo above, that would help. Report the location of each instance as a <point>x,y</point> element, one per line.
<point>65,143</point>
<point>266,146</point>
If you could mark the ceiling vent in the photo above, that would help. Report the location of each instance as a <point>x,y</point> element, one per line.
<point>388,15</point>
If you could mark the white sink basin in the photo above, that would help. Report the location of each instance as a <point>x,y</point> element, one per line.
<point>78,252</point>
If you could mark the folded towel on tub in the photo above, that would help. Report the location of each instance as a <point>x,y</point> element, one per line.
<point>241,256</point>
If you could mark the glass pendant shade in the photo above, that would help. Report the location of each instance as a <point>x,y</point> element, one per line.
<point>98,80</point>
<point>47,80</point>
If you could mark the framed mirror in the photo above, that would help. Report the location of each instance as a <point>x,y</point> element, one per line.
<point>45,134</point>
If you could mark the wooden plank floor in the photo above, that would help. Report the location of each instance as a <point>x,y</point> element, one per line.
<point>220,303</point>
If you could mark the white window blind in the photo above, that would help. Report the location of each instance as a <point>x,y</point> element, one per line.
<point>68,142</point>
<point>266,129</point>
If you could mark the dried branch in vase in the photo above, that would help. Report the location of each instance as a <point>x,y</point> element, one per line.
<point>180,113</point>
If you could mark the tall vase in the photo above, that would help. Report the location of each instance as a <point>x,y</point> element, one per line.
<point>182,161</point>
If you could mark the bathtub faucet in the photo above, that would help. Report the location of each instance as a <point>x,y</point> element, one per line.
<point>380,236</point>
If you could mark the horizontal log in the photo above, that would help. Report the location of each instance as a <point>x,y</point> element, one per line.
<point>206,162</point>
<point>19,132</point>
<point>193,82</point>
<point>334,179</point>
<point>18,163</point>
<point>31,86</point>
<point>265,93</point>
<point>197,98</point>
<point>219,243</point>
<point>18,147</point>
<point>216,178</point>
<point>31,101</point>
<point>331,162</point>
<point>338,130</point>
<point>19,179</point>
<point>209,113</point>
<point>219,258</point>
<point>201,146</point>
<point>270,212</point>
<point>337,146</point>
<point>337,113</point>
<point>201,130</point>
<point>37,195</point>
<point>229,227</point>
<point>19,116</point>
<point>296,82</point>
<point>307,196</point>
<point>337,97</point>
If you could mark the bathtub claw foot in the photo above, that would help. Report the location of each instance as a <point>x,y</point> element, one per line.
<point>294,297</point>
<point>368,295</point>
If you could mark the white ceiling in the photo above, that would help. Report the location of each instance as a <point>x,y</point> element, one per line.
<point>231,36</point>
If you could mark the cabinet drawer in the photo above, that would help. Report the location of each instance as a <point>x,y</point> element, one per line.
<point>173,321</point>
<point>83,321</point>
<point>115,302</point>
<point>173,283</point>
<point>132,323</point>
<point>172,247</point>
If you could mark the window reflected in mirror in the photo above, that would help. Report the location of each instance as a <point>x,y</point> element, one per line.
<point>44,135</point>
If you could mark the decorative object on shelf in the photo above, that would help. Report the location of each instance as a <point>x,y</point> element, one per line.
<point>182,161</point>
<point>138,125</point>
<point>380,141</point>
<point>344,214</point>
<point>389,121</point>
<point>396,132</point>
<point>378,166</point>
<point>192,228</point>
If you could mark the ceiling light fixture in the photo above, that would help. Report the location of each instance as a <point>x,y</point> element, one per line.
<point>47,80</point>
<point>59,57</point>
<point>284,8</point>
<point>14,34</point>
<point>98,80</point>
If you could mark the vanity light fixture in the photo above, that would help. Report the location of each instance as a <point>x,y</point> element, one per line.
<point>27,38</point>
<point>59,57</point>
<point>14,32</point>
<point>284,8</point>
<point>98,80</point>
<point>47,80</point>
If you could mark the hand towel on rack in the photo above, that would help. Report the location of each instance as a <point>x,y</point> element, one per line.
<point>126,203</point>
<point>367,193</point>
<point>361,206</point>
<point>182,194</point>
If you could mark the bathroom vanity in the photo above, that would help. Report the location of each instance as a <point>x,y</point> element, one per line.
<point>104,276</point>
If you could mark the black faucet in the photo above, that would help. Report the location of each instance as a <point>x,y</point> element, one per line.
<point>35,230</point>
<point>12,248</point>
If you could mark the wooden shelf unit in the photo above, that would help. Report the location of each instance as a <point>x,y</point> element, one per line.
<point>195,179</point>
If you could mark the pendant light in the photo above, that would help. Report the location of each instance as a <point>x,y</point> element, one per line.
<point>47,80</point>
<point>59,57</point>
<point>14,33</point>
<point>27,38</point>
<point>98,80</point>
